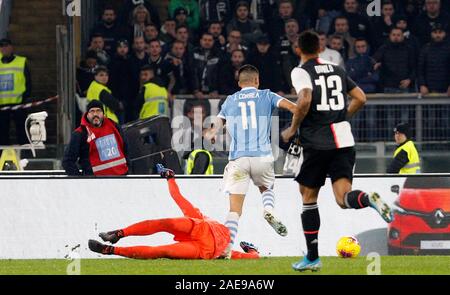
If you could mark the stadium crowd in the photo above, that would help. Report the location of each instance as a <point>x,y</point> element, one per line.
<point>201,45</point>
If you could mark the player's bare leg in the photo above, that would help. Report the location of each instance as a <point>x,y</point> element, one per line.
<point>356,199</point>
<point>268,198</point>
<point>232,222</point>
<point>311,223</point>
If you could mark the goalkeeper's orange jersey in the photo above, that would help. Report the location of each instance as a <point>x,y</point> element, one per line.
<point>212,237</point>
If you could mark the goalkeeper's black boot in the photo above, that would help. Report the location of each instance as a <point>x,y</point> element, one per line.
<point>111,236</point>
<point>98,247</point>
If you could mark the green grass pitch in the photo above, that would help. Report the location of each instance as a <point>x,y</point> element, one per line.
<point>395,265</point>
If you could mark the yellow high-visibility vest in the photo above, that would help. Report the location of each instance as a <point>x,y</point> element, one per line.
<point>12,81</point>
<point>413,165</point>
<point>93,93</point>
<point>191,160</point>
<point>156,102</point>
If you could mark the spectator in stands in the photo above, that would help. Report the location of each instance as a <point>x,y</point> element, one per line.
<point>153,99</point>
<point>265,58</point>
<point>382,25</point>
<point>428,18</point>
<point>288,62</point>
<point>342,29</point>
<point>359,24</point>
<point>15,88</point>
<point>337,43</point>
<point>215,29</point>
<point>261,11</point>
<point>179,60</point>
<point>229,72</point>
<point>167,33</point>
<point>141,19</point>
<point>434,63</point>
<point>98,90</point>
<point>397,64</point>
<point>328,11</point>
<point>97,147</point>
<point>360,68</point>
<point>192,9</point>
<point>110,29</point>
<point>98,45</point>
<point>434,77</point>
<point>205,68</point>
<point>85,72</point>
<point>234,43</point>
<point>276,26</point>
<point>162,68</point>
<point>329,54</point>
<point>182,35</point>
<point>139,58</point>
<point>291,32</point>
<point>180,14</point>
<point>151,32</point>
<point>129,7</point>
<point>242,22</point>
<point>120,79</point>
<point>287,55</point>
<point>412,41</point>
<point>215,11</point>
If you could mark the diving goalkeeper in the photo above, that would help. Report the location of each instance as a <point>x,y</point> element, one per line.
<point>196,236</point>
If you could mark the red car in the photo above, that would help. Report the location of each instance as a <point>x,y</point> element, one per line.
<point>421,217</point>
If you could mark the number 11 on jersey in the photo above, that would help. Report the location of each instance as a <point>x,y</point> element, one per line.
<point>251,104</point>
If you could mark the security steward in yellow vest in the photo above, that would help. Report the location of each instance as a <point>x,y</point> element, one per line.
<point>15,86</point>
<point>99,91</point>
<point>153,97</point>
<point>200,162</point>
<point>406,158</point>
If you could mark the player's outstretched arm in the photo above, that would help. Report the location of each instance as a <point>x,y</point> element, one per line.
<point>289,106</point>
<point>303,105</point>
<point>188,209</point>
<point>358,101</point>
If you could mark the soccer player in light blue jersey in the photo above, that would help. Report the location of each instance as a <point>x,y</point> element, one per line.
<point>248,116</point>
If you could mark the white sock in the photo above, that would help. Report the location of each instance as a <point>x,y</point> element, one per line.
<point>232,223</point>
<point>268,199</point>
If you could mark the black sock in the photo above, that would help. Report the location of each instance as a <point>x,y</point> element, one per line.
<point>356,199</point>
<point>311,225</point>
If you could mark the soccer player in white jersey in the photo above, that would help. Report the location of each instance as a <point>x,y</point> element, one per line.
<point>248,115</point>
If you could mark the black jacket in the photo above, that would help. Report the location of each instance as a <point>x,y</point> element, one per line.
<point>397,63</point>
<point>76,154</point>
<point>205,70</point>
<point>434,66</point>
<point>423,25</point>
<point>269,66</point>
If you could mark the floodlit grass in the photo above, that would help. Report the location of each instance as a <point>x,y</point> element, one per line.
<point>398,265</point>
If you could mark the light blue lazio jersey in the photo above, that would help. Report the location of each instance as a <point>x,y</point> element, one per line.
<point>248,115</point>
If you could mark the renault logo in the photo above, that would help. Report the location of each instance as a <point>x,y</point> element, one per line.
<point>438,216</point>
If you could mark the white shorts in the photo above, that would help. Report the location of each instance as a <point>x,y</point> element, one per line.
<point>238,173</point>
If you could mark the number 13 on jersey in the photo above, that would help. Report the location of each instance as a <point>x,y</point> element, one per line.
<point>332,95</point>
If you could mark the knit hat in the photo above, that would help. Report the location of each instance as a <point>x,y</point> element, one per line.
<point>95,104</point>
<point>403,128</point>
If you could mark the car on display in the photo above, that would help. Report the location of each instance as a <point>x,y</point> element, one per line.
<point>421,217</point>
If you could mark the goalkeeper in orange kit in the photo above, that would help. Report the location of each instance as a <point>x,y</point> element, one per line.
<point>196,236</point>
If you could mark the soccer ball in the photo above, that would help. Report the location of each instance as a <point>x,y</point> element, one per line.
<point>348,247</point>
